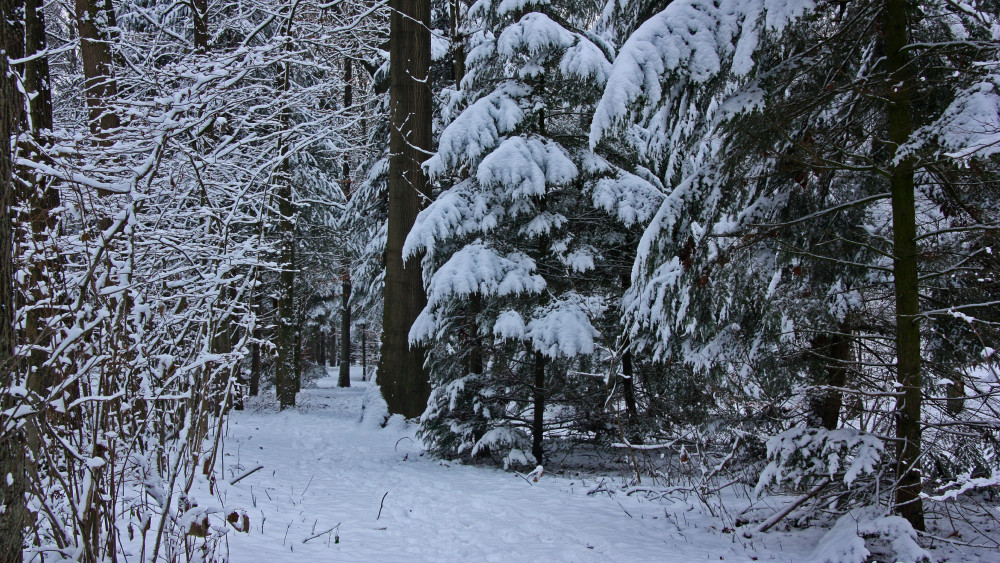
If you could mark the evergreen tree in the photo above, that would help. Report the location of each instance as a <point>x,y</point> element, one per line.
<point>517,261</point>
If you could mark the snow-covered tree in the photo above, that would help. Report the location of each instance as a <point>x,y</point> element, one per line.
<point>775,262</point>
<point>517,256</point>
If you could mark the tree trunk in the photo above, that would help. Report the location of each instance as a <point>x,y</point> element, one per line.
<point>284,375</point>
<point>364,353</point>
<point>99,84</point>
<point>628,375</point>
<point>199,15</point>
<point>320,348</point>
<point>401,373</point>
<point>297,377</point>
<point>345,291</point>
<point>538,422</point>
<point>345,336</point>
<point>838,354</point>
<point>333,348</point>
<point>12,454</point>
<point>457,43</point>
<point>255,368</point>
<point>904,231</point>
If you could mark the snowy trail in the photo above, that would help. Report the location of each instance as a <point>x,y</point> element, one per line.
<point>322,468</point>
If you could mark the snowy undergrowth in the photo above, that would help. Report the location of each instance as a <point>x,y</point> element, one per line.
<point>332,488</point>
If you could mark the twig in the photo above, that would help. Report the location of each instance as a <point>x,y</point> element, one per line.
<point>246,474</point>
<point>380,506</point>
<point>324,532</point>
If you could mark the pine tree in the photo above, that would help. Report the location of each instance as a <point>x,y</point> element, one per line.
<point>516,263</point>
<point>788,180</point>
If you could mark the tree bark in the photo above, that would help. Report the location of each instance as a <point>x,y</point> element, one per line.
<point>905,252</point>
<point>320,348</point>
<point>284,376</point>
<point>837,351</point>
<point>95,51</point>
<point>457,43</point>
<point>538,420</point>
<point>199,16</point>
<point>255,368</point>
<point>12,454</point>
<point>628,373</point>
<point>364,353</point>
<point>345,339</point>
<point>344,379</point>
<point>401,373</point>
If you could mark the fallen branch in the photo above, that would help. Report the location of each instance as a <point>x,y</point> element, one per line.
<point>788,510</point>
<point>323,533</point>
<point>246,474</point>
<point>380,505</point>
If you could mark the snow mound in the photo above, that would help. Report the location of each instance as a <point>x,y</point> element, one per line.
<point>374,410</point>
<point>846,541</point>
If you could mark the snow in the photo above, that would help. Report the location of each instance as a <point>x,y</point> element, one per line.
<point>478,129</point>
<point>690,41</point>
<point>845,542</point>
<point>534,32</point>
<point>384,499</point>
<point>524,167</point>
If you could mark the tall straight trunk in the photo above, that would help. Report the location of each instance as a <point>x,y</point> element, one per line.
<point>36,71</point>
<point>457,43</point>
<point>401,373</point>
<point>364,354</point>
<point>628,371</point>
<point>475,342</point>
<point>95,50</point>
<point>344,380</point>
<point>255,367</point>
<point>320,348</point>
<point>538,421</point>
<point>297,372</point>
<point>12,454</point>
<point>837,350</point>
<point>333,348</point>
<point>286,368</point>
<point>199,17</point>
<point>284,375</point>
<point>42,197</point>
<point>905,252</point>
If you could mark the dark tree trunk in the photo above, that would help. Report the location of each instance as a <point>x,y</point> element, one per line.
<point>199,15</point>
<point>344,380</point>
<point>538,422</point>
<point>320,348</point>
<point>254,369</point>
<point>401,373</point>
<point>905,252</point>
<point>99,83</point>
<point>628,373</point>
<point>297,378</point>
<point>364,354</point>
<point>475,342</point>
<point>628,384</point>
<point>345,336</point>
<point>836,351</point>
<point>12,454</point>
<point>36,71</point>
<point>284,376</point>
<point>333,348</point>
<point>41,195</point>
<point>457,43</point>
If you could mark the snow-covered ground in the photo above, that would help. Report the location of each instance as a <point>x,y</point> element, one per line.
<point>388,501</point>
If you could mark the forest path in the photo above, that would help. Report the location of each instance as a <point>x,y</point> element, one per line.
<point>321,468</point>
